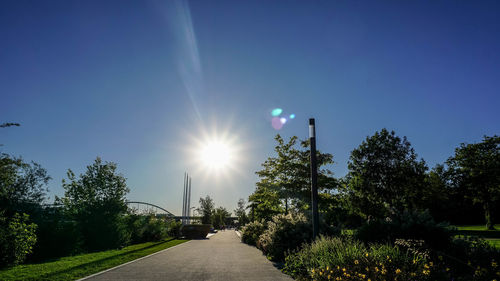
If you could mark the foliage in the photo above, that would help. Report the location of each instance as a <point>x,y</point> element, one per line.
<point>206,209</point>
<point>475,168</point>
<point>144,228</point>
<point>470,258</point>
<point>347,259</point>
<point>17,238</point>
<point>264,204</point>
<point>22,185</point>
<point>284,233</point>
<point>174,228</point>
<point>407,225</point>
<point>220,217</point>
<point>57,235</point>
<point>241,213</point>
<point>288,176</point>
<point>252,231</point>
<point>75,267</point>
<point>385,175</point>
<point>96,200</point>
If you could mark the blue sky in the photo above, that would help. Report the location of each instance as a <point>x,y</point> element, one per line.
<point>141,83</point>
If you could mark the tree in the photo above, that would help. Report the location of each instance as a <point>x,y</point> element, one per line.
<point>22,190</point>
<point>385,176</point>
<point>96,200</point>
<point>23,186</point>
<point>241,213</point>
<point>475,168</point>
<point>220,217</point>
<point>264,203</point>
<point>206,209</point>
<point>288,173</point>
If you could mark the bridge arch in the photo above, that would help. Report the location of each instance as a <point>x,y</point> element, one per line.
<point>152,205</point>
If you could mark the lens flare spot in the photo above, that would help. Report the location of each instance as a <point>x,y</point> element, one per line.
<point>283,120</point>
<point>276,112</point>
<point>292,116</point>
<point>276,123</point>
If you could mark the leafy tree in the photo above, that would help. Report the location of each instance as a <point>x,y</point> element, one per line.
<point>17,238</point>
<point>475,168</point>
<point>22,185</point>
<point>241,213</point>
<point>96,200</point>
<point>385,175</point>
<point>288,173</point>
<point>264,203</point>
<point>220,217</point>
<point>206,209</point>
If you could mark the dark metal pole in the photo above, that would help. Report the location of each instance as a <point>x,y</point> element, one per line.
<point>314,178</point>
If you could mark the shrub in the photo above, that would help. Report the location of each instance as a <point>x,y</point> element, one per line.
<point>144,228</point>
<point>56,237</point>
<point>407,225</point>
<point>174,228</point>
<point>252,231</point>
<point>284,233</point>
<point>17,238</point>
<point>333,258</point>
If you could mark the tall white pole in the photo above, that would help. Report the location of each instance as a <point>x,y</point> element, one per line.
<point>189,203</point>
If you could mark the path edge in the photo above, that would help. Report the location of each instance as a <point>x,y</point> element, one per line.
<point>129,262</point>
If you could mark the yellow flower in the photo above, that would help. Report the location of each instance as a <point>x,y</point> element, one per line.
<point>356,262</point>
<point>367,268</point>
<point>431,264</point>
<point>376,269</point>
<point>329,276</point>
<point>327,268</point>
<point>398,271</point>
<point>413,274</point>
<point>366,255</point>
<point>343,269</point>
<point>494,264</point>
<point>426,272</point>
<point>447,269</point>
<point>414,261</point>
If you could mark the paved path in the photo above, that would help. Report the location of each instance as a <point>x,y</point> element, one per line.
<point>221,257</point>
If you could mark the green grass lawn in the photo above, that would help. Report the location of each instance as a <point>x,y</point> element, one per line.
<point>75,267</point>
<point>491,236</point>
<point>476,227</point>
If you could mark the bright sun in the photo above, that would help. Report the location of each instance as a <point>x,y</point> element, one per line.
<point>215,155</point>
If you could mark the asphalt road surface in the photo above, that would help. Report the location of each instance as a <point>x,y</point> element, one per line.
<point>221,257</point>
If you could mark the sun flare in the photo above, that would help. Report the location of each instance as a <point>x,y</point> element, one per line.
<point>215,154</point>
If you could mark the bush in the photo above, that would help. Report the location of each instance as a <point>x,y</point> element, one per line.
<point>284,233</point>
<point>145,228</point>
<point>408,225</point>
<point>17,238</point>
<point>251,232</point>
<point>329,258</point>
<point>174,228</point>
<point>470,258</point>
<point>56,237</point>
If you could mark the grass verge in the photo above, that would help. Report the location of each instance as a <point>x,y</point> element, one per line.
<point>491,236</point>
<point>75,267</point>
